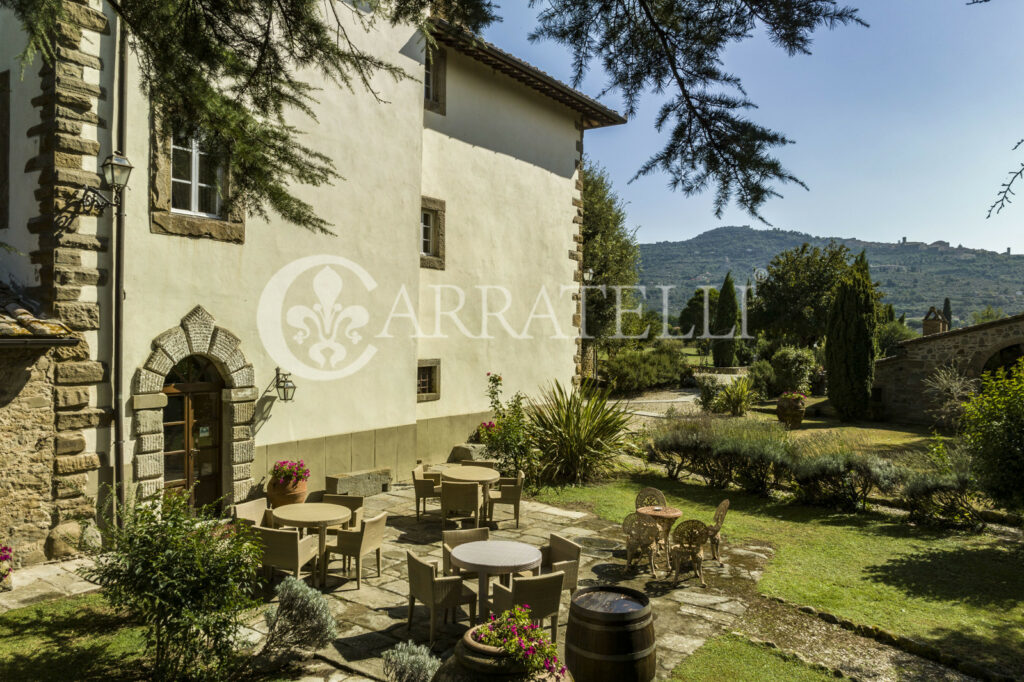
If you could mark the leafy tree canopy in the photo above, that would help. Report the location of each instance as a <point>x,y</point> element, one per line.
<point>234,69</point>
<point>692,315</point>
<point>989,314</point>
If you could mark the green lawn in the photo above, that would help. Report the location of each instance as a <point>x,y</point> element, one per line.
<point>964,593</point>
<point>79,638</point>
<point>735,659</point>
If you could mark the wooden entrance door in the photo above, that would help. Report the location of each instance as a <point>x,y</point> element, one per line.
<point>192,423</point>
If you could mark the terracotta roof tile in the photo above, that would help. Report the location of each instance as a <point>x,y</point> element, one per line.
<point>17,321</point>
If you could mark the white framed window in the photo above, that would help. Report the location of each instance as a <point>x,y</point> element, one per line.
<point>196,178</point>
<point>428,231</point>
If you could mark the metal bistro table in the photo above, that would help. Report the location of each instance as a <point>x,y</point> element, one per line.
<point>494,557</point>
<point>314,515</point>
<point>664,517</point>
<point>485,476</point>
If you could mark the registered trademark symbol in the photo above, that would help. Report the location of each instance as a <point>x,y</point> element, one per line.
<point>760,274</point>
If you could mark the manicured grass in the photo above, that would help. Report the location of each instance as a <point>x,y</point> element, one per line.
<point>964,593</point>
<point>733,658</point>
<point>79,638</point>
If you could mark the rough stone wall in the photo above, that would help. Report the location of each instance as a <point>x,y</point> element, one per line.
<point>26,452</point>
<point>899,379</point>
<point>68,256</point>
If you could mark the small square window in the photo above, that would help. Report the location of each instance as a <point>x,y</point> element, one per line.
<point>432,233</point>
<point>428,380</point>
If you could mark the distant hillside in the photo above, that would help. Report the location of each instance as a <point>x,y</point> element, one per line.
<point>913,275</point>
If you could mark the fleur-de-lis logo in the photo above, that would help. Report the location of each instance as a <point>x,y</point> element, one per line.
<point>317,336</point>
<point>327,318</point>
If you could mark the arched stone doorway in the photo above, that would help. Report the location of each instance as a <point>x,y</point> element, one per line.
<point>217,354</point>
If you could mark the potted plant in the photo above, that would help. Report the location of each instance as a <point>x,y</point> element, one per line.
<point>6,553</point>
<point>287,483</point>
<point>508,647</point>
<point>791,408</point>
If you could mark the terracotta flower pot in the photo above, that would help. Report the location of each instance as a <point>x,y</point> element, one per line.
<point>790,411</point>
<point>292,492</point>
<point>475,661</point>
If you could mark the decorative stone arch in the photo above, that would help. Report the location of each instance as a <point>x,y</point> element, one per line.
<point>197,334</point>
<point>980,358</point>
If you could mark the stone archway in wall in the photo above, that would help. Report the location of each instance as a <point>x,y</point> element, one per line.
<point>992,351</point>
<point>198,334</point>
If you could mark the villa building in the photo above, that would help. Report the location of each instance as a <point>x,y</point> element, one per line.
<point>456,251</point>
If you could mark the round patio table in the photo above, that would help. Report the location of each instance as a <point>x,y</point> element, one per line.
<point>314,515</point>
<point>664,517</point>
<point>494,557</point>
<point>485,476</point>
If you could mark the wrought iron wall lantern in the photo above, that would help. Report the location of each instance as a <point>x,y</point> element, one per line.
<point>284,385</point>
<point>116,171</point>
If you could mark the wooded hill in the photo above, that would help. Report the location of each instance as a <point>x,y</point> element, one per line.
<point>913,275</point>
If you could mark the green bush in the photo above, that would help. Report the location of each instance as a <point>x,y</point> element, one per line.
<point>828,471</point>
<point>631,371</point>
<point>937,499</point>
<point>762,376</point>
<point>735,397</point>
<point>578,434</point>
<point>993,430</point>
<point>186,577</point>
<point>890,335</point>
<point>792,368</point>
<point>408,662</point>
<point>301,618</point>
<point>506,437</point>
<point>709,387</point>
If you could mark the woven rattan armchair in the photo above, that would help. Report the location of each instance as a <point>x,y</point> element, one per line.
<point>461,497</point>
<point>560,555</point>
<point>510,491</point>
<point>450,539</point>
<point>716,531</point>
<point>437,592</point>
<point>355,505</point>
<point>355,544</point>
<point>543,594</point>
<point>642,535</point>
<point>254,512</point>
<point>688,540</point>
<point>284,549</point>
<point>426,486</point>
<point>650,497</point>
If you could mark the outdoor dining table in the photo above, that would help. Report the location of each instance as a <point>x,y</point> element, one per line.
<point>314,515</point>
<point>664,517</point>
<point>494,557</point>
<point>485,476</point>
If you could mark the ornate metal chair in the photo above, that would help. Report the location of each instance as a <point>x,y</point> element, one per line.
<point>716,531</point>
<point>641,538</point>
<point>688,539</point>
<point>650,497</point>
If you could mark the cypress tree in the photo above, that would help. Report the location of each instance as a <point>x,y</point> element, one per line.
<point>947,311</point>
<point>726,318</point>
<point>850,350</point>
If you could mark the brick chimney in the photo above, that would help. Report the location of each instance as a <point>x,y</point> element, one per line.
<point>934,323</point>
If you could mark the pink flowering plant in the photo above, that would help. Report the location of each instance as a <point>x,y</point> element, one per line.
<point>6,554</point>
<point>287,472</point>
<point>506,436</point>
<point>522,640</point>
<point>794,395</point>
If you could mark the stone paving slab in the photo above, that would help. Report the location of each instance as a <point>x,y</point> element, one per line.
<point>45,582</point>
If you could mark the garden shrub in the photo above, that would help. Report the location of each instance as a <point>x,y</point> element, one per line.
<point>828,471</point>
<point>937,499</point>
<point>185,577</point>
<point>408,662</point>
<point>301,618</point>
<point>709,388</point>
<point>762,376</point>
<point>735,397</point>
<point>505,437</point>
<point>631,371</point>
<point>793,367</point>
<point>578,433</point>
<point>947,391</point>
<point>993,431</point>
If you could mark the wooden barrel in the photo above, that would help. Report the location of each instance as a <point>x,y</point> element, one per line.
<point>610,635</point>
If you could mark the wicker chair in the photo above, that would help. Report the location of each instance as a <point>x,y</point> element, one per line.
<point>256,513</point>
<point>543,593</point>
<point>510,491</point>
<point>284,549</point>
<point>689,538</point>
<point>560,555</point>
<point>650,497</point>
<point>487,463</point>
<point>355,505</point>
<point>437,592</point>
<point>450,539</point>
<point>716,531</point>
<point>425,486</point>
<point>642,535</point>
<point>461,497</point>
<point>354,544</point>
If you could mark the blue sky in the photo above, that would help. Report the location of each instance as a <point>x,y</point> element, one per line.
<point>901,129</point>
